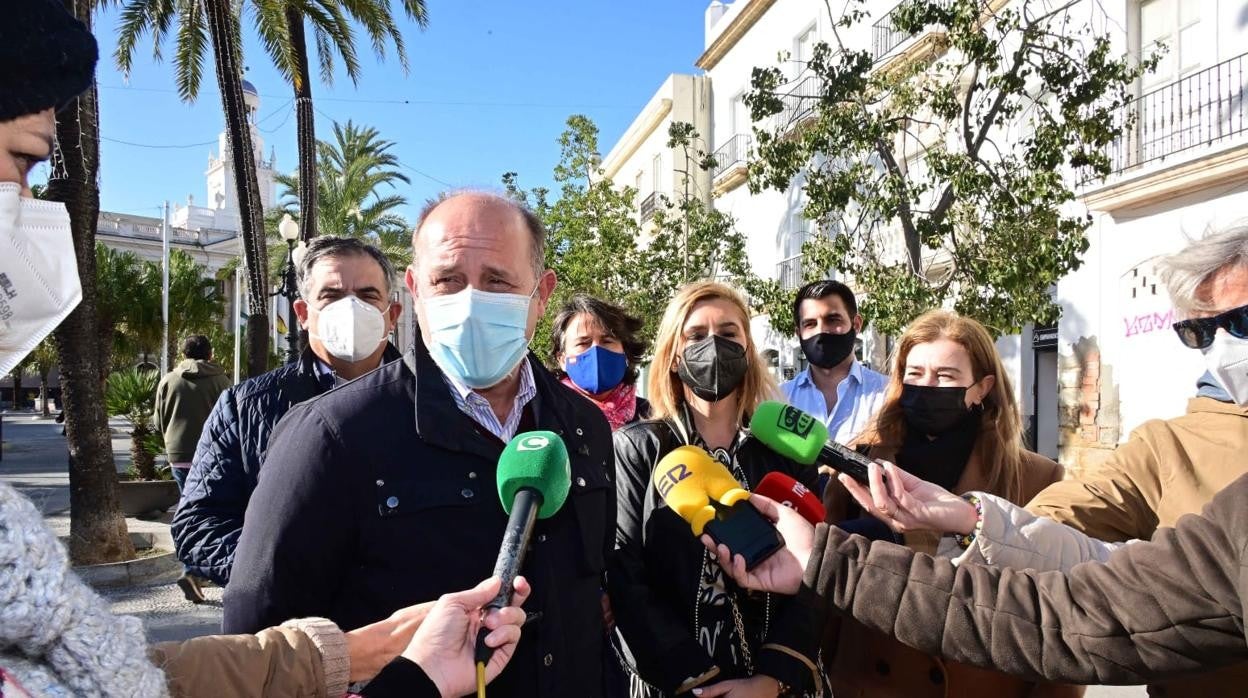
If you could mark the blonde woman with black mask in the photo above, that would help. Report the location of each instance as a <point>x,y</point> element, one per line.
<point>688,627</point>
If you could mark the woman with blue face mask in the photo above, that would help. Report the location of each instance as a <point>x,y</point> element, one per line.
<point>595,353</point>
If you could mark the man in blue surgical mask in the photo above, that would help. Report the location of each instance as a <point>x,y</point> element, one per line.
<point>382,494</point>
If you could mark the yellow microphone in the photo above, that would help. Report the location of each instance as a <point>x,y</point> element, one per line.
<point>703,493</point>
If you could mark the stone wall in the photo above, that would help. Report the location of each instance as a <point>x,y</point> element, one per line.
<point>1089,419</point>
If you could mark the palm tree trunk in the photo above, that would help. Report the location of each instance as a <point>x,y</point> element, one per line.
<point>17,388</point>
<point>223,33</point>
<point>144,460</point>
<point>305,126</point>
<point>97,529</point>
<point>43,394</point>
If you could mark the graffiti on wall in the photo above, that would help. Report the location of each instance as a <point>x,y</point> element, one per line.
<point>1143,300</point>
<point>1145,323</point>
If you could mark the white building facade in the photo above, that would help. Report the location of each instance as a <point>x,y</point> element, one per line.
<point>641,159</point>
<point>1112,361</point>
<point>1180,171</point>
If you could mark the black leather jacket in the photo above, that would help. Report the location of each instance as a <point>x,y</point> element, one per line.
<point>654,578</point>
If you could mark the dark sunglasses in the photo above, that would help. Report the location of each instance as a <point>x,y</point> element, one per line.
<point>1198,333</point>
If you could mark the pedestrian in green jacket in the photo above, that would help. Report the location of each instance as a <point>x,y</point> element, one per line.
<point>184,399</point>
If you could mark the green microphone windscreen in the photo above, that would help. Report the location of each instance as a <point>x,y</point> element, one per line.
<point>536,460</point>
<point>789,431</point>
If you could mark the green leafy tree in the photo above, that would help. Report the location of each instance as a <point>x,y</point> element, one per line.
<point>692,240</point>
<point>357,193</point>
<point>357,183</point>
<point>597,245</point>
<point>196,305</point>
<point>118,274</point>
<point>947,178</point>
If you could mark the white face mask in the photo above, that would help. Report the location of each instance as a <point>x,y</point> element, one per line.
<point>38,272</point>
<point>1227,360</point>
<point>350,329</point>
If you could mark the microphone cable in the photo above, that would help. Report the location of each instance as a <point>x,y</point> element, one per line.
<point>483,652</point>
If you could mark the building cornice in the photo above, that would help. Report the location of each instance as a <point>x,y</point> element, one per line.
<point>728,38</point>
<point>636,135</point>
<point>1222,169</point>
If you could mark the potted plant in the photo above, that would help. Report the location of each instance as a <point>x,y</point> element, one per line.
<point>132,394</point>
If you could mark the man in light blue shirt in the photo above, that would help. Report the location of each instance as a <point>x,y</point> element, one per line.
<point>836,388</point>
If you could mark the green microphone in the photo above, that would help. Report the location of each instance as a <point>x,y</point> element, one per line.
<point>800,437</point>
<point>534,476</point>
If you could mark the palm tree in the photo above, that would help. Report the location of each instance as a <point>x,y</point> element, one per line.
<point>132,394</point>
<point>281,26</point>
<point>196,296</point>
<point>19,370</point>
<point>43,358</point>
<point>118,276</point>
<point>354,172</point>
<point>202,24</point>
<point>97,530</point>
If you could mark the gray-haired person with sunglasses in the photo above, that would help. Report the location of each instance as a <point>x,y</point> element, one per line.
<point>1168,468</point>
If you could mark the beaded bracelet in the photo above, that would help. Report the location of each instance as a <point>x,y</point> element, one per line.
<point>964,540</point>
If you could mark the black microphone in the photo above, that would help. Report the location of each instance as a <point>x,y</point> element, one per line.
<point>534,476</point>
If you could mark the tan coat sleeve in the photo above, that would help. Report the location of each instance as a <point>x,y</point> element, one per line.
<point>280,662</point>
<point>1153,610</point>
<point>1115,501</point>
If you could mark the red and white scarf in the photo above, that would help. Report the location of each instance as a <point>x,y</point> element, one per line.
<point>619,405</point>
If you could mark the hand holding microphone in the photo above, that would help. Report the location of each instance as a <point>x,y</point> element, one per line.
<point>798,436</point>
<point>781,572</point>
<point>702,491</point>
<point>534,477</point>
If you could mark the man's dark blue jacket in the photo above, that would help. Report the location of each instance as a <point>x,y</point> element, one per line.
<point>382,493</point>
<point>227,461</point>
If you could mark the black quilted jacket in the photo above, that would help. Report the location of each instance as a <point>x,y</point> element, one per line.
<point>227,461</point>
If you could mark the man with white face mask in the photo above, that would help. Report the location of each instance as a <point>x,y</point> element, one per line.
<point>1168,468</point>
<point>382,493</point>
<point>345,287</point>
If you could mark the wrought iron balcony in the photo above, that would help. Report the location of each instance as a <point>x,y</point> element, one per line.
<point>646,209</point>
<point>789,273</point>
<point>885,36</point>
<point>800,100</point>
<point>733,153</point>
<point>1206,108</point>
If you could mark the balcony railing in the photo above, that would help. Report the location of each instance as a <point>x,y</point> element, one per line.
<point>800,100</point>
<point>646,209</point>
<point>885,36</point>
<point>789,273</point>
<point>1202,109</point>
<point>733,153</point>
<point>108,225</point>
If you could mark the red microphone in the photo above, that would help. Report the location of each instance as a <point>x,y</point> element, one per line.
<point>793,495</point>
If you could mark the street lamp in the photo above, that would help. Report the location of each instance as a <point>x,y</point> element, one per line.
<point>289,230</point>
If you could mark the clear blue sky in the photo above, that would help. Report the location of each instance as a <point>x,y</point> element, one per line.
<point>490,87</point>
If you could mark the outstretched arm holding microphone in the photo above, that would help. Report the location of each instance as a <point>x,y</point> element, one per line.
<point>1153,610</point>
<point>985,528</point>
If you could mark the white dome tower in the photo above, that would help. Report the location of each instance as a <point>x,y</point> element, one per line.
<point>220,178</point>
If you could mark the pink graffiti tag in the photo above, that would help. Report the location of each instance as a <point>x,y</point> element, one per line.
<point>1148,322</point>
